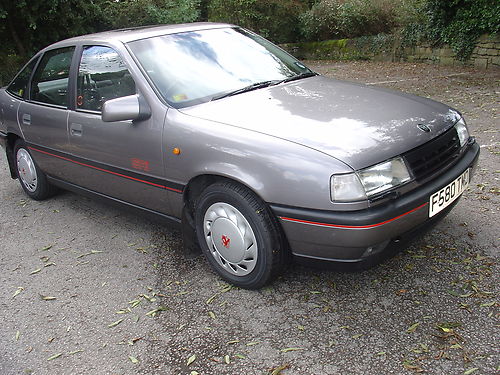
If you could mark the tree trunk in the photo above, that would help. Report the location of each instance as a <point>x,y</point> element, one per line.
<point>19,44</point>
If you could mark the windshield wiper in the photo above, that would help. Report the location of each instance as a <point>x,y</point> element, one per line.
<point>253,86</point>
<point>294,78</point>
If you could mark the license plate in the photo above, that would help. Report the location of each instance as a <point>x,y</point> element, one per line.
<point>444,197</point>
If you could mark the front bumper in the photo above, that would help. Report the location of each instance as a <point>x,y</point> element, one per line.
<point>358,235</point>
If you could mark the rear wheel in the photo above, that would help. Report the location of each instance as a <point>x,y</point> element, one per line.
<point>32,179</point>
<point>238,235</point>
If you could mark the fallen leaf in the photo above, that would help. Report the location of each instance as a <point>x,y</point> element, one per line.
<point>75,351</point>
<point>90,253</point>
<point>286,350</point>
<point>471,370</point>
<point>114,324</point>
<point>155,311</point>
<point>133,359</point>
<point>191,359</point>
<point>277,370</point>
<point>54,356</point>
<point>239,356</point>
<point>409,365</point>
<point>47,298</point>
<point>17,335</point>
<point>227,359</point>
<point>413,328</point>
<point>47,247</point>
<point>211,314</point>
<point>211,299</point>
<point>35,271</point>
<point>19,290</point>
<point>134,302</point>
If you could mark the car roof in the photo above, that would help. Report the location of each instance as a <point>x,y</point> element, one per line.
<point>136,33</point>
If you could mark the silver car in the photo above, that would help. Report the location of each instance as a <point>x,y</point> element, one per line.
<point>256,156</point>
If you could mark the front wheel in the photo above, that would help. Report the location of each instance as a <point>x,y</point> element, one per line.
<point>32,179</point>
<point>238,235</point>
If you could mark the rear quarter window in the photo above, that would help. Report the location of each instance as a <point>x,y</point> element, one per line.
<point>18,87</point>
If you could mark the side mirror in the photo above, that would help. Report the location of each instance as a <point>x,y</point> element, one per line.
<point>132,107</point>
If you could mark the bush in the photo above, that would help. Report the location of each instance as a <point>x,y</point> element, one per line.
<point>129,13</point>
<point>10,65</point>
<point>329,19</point>
<point>460,22</point>
<point>273,19</point>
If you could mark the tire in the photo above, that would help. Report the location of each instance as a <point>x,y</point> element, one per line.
<point>32,179</point>
<point>238,235</point>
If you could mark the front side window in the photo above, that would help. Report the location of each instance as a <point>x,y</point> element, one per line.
<point>50,81</point>
<point>102,75</point>
<point>19,85</point>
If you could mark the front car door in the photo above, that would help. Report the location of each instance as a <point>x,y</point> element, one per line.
<point>120,159</point>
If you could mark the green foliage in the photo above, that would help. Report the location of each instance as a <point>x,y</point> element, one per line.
<point>329,19</point>
<point>460,22</point>
<point>10,65</point>
<point>28,25</point>
<point>274,19</point>
<point>130,13</point>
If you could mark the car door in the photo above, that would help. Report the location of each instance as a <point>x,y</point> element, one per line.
<point>43,117</point>
<point>120,159</point>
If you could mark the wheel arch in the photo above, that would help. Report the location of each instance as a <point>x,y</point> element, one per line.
<point>198,183</point>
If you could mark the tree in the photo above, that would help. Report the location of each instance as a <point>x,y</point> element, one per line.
<point>32,24</point>
<point>129,13</point>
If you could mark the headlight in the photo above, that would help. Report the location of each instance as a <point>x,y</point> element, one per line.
<point>370,181</point>
<point>347,188</point>
<point>463,133</point>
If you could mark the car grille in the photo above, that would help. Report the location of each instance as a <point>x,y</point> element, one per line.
<point>434,155</point>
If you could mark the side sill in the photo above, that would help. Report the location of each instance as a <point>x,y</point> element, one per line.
<point>152,214</point>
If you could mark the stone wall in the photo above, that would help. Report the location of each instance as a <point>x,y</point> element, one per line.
<point>377,47</point>
<point>486,54</point>
<point>382,47</point>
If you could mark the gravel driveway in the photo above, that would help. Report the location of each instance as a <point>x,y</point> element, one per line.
<point>90,289</point>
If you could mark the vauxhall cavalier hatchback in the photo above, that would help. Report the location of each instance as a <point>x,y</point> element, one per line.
<point>214,127</point>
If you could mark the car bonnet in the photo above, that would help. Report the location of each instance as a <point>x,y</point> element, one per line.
<point>357,124</point>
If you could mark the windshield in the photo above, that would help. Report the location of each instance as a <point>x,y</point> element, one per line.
<point>194,67</point>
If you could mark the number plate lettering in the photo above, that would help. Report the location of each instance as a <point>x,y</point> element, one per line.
<point>444,197</point>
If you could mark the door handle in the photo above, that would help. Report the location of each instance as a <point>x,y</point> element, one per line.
<point>76,130</point>
<point>26,119</point>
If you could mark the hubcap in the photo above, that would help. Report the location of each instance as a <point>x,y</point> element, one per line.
<point>230,239</point>
<point>26,169</point>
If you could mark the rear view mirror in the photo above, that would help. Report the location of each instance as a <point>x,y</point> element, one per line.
<point>132,107</point>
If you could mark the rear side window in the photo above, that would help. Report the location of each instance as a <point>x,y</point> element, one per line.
<point>19,85</point>
<point>50,81</point>
<point>102,75</point>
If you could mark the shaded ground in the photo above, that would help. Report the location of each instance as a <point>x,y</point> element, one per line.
<point>434,308</point>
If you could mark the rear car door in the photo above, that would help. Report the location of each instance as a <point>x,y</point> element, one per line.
<point>120,159</point>
<point>43,118</point>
